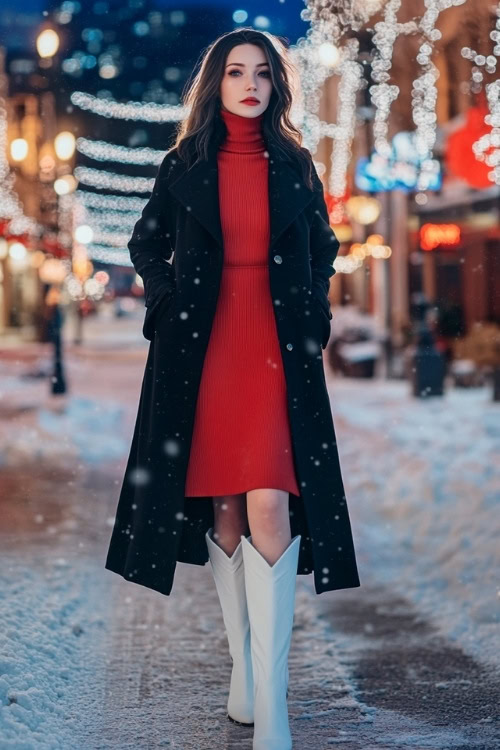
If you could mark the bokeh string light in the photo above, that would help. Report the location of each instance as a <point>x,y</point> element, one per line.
<point>424,92</point>
<point>100,211</point>
<point>100,178</point>
<point>110,202</point>
<point>110,238</point>
<point>345,14</point>
<point>350,83</point>
<point>10,205</point>
<point>487,147</point>
<point>112,218</point>
<point>330,47</point>
<point>104,151</point>
<point>383,93</point>
<point>313,69</point>
<point>139,111</point>
<point>106,254</point>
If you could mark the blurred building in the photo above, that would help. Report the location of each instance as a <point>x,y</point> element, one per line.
<point>113,51</point>
<point>445,242</point>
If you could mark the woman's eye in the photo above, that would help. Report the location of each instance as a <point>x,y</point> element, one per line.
<point>262,72</point>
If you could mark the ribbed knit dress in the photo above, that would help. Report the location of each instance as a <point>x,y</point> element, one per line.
<point>241,435</point>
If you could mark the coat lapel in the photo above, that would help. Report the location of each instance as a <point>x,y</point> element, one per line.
<point>198,190</point>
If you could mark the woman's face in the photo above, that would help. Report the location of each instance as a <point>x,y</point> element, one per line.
<point>246,75</point>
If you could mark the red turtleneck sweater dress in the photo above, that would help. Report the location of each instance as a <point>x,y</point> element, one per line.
<point>241,435</point>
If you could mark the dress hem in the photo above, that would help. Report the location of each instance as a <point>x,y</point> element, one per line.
<point>239,492</point>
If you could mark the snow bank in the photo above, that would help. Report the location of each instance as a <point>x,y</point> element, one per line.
<point>424,486</point>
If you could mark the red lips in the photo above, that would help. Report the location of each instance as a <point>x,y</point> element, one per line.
<point>250,99</point>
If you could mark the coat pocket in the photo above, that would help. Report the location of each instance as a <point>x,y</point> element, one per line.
<point>156,312</point>
<point>323,316</point>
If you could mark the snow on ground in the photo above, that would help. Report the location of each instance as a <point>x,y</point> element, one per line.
<point>51,620</point>
<point>422,480</point>
<point>80,428</point>
<point>424,487</point>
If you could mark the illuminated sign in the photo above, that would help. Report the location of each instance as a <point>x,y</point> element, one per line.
<point>400,170</point>
<point>433,235</point>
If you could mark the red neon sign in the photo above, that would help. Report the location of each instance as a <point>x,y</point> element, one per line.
<point>433,235</point>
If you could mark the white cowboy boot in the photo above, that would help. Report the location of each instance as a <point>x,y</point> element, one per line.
<point>229,579</point>
<point>271,604</point>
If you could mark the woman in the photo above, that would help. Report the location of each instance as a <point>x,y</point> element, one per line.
<point>234,431</point>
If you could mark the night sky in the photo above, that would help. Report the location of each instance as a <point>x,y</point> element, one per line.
<point>17,28</point>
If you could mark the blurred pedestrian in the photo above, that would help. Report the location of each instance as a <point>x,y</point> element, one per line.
<point>55,321</point>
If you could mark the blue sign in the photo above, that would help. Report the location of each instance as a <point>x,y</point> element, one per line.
<point>399,171</point>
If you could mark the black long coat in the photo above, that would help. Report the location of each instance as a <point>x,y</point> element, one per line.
<point>155,524</point>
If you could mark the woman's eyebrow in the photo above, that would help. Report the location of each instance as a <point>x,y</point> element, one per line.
<point>243,64</point>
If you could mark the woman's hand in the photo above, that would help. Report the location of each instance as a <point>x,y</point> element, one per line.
<point>150,245</point>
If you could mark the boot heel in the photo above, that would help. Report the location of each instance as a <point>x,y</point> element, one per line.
<point>241,723</point>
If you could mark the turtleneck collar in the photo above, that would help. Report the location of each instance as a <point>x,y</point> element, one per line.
<point>244,134</point>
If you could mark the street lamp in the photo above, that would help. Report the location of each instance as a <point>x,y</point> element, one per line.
<point>64,144</point>
<point>47,43</point>
<point>19,149</point>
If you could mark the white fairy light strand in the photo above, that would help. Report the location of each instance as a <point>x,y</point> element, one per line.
<point>104,151</point>
<point>112,218</point>
<point>328,25</point>
<point>110,202</point>
<point>105,254</point>
<point>350,83</point>
<point>10,206</point>
<point>139,111</point>
<point>487,148</point>
<point>113,239</point>
<point>116,233</point>
<point>104,180</point>
<point>424,93</point>
<point>313,72</point>
<point>346,14</point>
<point>383,94</point>
<point>490,62</point>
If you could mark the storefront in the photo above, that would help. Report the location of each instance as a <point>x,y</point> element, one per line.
<point>455,258</point>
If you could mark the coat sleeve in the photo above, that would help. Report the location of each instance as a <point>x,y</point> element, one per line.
<point>150,246</point>
<point>323,245</point>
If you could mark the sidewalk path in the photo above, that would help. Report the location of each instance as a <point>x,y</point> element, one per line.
<point>90,661</point>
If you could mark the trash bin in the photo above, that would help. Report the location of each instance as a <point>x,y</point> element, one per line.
<point>358,358</point>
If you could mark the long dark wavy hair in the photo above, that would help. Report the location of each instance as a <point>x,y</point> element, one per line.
<point>204,126</point>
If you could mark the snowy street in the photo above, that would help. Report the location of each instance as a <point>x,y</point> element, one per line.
<point>90,661</point>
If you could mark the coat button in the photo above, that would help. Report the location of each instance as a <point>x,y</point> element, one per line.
<point>278,259</point>
<point>289,347</point>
